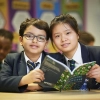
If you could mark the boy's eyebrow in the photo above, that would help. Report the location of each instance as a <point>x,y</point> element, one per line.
<point>34,34</point>
<point>29,32</point>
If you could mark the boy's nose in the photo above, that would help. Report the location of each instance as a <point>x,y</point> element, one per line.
<point>35,39</point>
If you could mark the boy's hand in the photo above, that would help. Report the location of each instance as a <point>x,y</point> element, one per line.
<point>94,73</point>
<point>33,76</point>
<point>33,87</point>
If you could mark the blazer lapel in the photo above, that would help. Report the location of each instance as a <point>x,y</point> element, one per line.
<point>22,69</point>
<point>43,56</point>
<point>85,54</point>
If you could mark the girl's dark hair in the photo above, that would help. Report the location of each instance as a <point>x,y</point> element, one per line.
<point>66,19</point>
<point>40,24</point>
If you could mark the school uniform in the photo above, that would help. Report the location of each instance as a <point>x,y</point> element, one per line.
<point>14,68</point>
<point>86,54</point>
<point>0,65</point>
<point>1,62</point>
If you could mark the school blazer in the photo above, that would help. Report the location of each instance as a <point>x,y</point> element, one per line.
<point>89,53</point>
<point>14,68</point>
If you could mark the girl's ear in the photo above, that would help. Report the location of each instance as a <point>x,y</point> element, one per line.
<point>78,34</point>
<point>20,40</point>
<point>78,37</point>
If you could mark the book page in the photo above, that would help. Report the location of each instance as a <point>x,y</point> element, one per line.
<point>75,79</point>
<point>60,63</point>
<point>52,69</point>
<point>83,69</point>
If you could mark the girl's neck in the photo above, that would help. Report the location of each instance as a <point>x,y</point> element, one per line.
<point>69,55</point>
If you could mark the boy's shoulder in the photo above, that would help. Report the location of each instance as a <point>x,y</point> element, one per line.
<point>14,55</point>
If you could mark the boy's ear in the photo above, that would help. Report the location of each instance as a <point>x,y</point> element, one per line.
<point>46,44</point>
<point>20,40</point>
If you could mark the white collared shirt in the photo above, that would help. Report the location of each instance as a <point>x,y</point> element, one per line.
<point>39,60</point>
<point>77,57</point>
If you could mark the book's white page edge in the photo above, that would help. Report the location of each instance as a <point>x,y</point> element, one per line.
<point>65,66</point>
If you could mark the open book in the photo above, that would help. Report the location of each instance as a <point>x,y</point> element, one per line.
<point>59,76</point>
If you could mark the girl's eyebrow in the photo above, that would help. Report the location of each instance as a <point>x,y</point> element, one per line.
<point>63,31</point>
<point>56,33</point>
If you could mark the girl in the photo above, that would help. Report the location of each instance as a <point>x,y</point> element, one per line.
<point>65,35</point>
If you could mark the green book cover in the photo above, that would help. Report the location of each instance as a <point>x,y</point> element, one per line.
<point>74,79</point>
<point>59,76</point>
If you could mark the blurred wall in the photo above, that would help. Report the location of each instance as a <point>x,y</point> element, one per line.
<point>93,19</point>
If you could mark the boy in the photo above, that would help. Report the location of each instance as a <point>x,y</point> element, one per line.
<point>16,75</point>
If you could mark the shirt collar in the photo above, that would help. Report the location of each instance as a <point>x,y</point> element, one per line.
<point>77,56</point>
<point>39,60</point>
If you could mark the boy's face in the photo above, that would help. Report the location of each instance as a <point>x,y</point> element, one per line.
<point>65,38</point>
<point>33,46</point>
<point>5,47</point>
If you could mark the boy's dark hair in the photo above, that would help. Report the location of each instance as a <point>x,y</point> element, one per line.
<point>40,24</point>
<point>65,19</point>
<point>6,34</point>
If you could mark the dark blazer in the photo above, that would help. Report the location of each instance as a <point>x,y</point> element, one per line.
<point>89,53</point>
<point>0,65</point>
<point>13,69</point>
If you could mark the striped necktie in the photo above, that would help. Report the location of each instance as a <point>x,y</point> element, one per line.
<point>72,64</point>
<point>32,65</point>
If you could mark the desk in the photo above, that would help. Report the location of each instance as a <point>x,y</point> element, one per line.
<point>54,95</point>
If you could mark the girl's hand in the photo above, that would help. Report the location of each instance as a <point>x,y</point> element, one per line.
<point>94,73</point>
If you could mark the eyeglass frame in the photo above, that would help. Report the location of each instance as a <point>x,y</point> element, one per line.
<point>33,36</point>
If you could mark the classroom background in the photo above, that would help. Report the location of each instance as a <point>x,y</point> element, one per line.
<point>13,12</point>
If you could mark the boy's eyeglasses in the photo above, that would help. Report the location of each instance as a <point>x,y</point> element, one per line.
<point>40,38</point>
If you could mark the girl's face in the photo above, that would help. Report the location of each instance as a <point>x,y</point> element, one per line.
<point>65,39</point>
